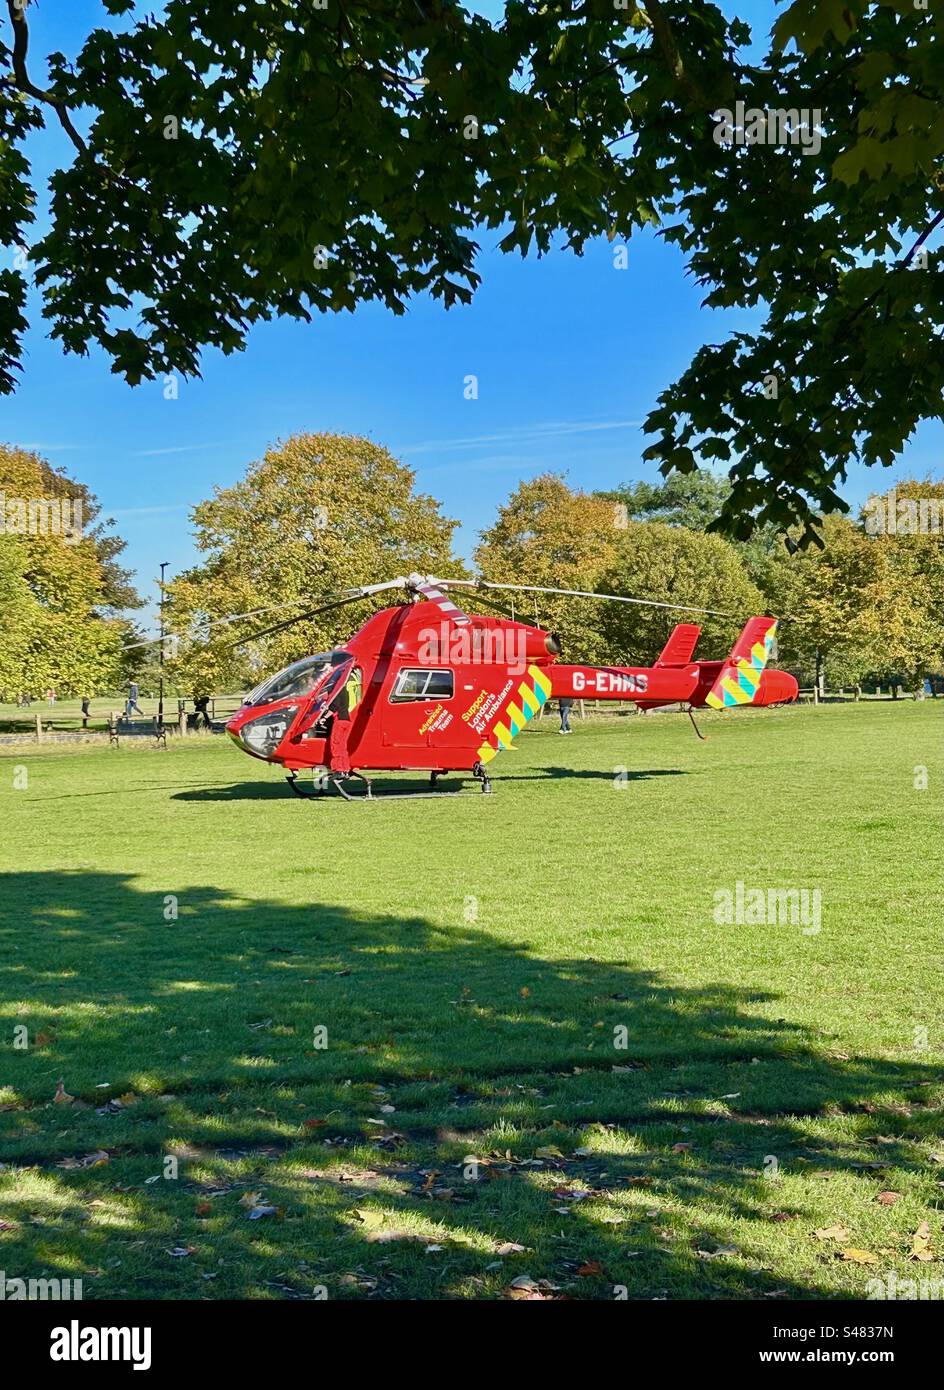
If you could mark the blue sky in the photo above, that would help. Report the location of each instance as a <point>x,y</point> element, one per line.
<point>570,354</point>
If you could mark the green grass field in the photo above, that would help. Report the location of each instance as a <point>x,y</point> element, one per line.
<point>376,1052</point>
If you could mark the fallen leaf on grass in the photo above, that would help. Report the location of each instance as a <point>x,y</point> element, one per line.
<point>368,1216</point>
<point>524,1287</point>
<point>590,1270</point>
<point>257,1213</point>
<point>887,1199</point>
<point>250,1199</point>
<point>921,1243</point>
<point>549,1151</point>
<point>858,1257</point>
<point>98,1159</point>
<point>510,1247</point>
<point>833,1233</point>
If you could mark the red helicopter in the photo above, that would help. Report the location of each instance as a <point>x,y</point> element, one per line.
<point>425,686</point>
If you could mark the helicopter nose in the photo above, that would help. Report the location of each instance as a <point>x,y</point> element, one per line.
<point>776,688</point>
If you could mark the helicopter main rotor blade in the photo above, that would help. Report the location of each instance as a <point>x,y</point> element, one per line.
<point>334,600</point>
<point>612,598</point>
<point>338,601</point>
<point>216,622</point>
<point>496,607</point>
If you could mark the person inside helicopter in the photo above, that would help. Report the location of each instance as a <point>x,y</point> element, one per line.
<point>337,699</point>
<point>341,712</point>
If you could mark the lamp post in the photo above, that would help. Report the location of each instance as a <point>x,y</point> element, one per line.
<point>160,694</point>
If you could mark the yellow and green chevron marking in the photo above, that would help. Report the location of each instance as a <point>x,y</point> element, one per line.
<point>738,681</point>
<point>532,693</point>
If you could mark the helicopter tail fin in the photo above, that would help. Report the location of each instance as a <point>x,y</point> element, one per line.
<point>680,647</point>
<point>739,680</point>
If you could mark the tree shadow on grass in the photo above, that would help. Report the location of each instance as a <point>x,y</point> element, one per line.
<point>620,1124</point>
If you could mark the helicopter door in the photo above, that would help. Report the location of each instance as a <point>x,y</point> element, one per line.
<point>332,697</point>
<point>418,707</point>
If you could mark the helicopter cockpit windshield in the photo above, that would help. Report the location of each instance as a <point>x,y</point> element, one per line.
<point>297,680</point>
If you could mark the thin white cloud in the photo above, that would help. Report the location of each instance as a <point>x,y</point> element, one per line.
<point>492,463</point>
<point>522,435</point>
<point>182,449</point>
<point>50,448</point>
<point>147,511</point>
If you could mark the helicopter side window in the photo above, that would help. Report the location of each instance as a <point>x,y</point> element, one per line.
<point>422,684</point>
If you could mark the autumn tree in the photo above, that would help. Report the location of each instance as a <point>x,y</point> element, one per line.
<point>18,613</point>
<point>60,584</point>
<point>231,162</point>
<point>866,603</point>
<point>677,566</point>
<point>552,535</point>
<point>911,613</point>
<point>318,514</point>
<point>683,499</point>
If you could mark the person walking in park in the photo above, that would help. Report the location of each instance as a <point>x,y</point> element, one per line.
<point>132,701</point>
<point>200,703</point>
<point>565,706</point>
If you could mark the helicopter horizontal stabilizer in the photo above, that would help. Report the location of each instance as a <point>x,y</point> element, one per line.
<point>739,680</point>
<point>680,647</point>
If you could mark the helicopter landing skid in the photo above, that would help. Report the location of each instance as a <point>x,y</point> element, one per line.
<point>298,790</point>
<point>338,779</point>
